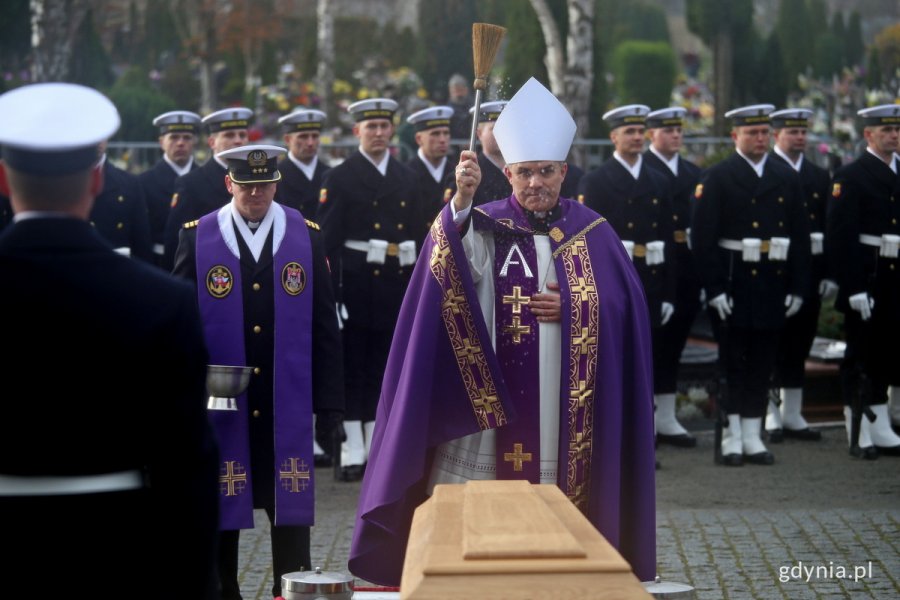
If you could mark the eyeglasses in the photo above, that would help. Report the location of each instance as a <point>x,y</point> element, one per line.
<point>525,174</point>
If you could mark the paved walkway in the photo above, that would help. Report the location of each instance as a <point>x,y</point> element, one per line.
<point>816,525</point>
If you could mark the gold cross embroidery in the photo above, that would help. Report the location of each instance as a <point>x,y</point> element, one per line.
<point>579,445</point>
<point>452,301</point>
<point>439,255</point>
<point>468,351</point>
<point>234,479</point>
<point>582,393</point>
<point>584,340</point>
<point>516,299</point>
<point>581,288</point>
<point>294,477</point>
<point>517,329</point>
<point>517,457</point>
<point>485,401</point>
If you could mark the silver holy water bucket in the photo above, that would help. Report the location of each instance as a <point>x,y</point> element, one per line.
<point>316,585</point>
<point>668,590</point>
<point>224,384</point>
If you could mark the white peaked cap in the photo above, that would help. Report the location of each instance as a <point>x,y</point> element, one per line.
<point>534,125</point>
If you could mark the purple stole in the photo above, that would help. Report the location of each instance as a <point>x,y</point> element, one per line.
<point>516,278</point>
<point>221,306</point>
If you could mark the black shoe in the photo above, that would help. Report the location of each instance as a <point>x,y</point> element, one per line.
<point>867,453</point>
<point>732,460</point>
<point>806,434</point>
<point>760,458</point>
<point>776,436</point>
<point>682,440</point>
<point>352,473</point>
<point>322,460</point>
<point>657,465</point>
<point>889,450</point>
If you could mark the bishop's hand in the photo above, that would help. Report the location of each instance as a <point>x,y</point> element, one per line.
<point>468,176</point>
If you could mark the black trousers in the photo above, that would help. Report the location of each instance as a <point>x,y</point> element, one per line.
<point>669,341</point>
<point>365,357</point>
<point>794,343</point>
<point>870,350</point>
<point>290,553</point>
<point>747,357</point>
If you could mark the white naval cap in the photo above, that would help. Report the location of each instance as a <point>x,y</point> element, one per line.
<point>490,111</point>
<point>373,108</point>
<point>431,117</point>
<point>55,128</point>
<point>303,119</point>
<point>237,117</point>
<point>253,164</point>
<point>790,117</point>
<point>630,114</point>
<point>884,114</point>
<point>177,121</point>
<point>666,117</point>
<point>754,114</point>
<point>534,125</point>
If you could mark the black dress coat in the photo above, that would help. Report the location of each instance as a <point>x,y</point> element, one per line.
<point>639,210</point>
<point>431,194</point>
<point>105,371</point>
<point>120,213</point>
<point>298,192</point>
<point>199,192</point>
<point>158,184</point>
<point>358,203</point>
<point>494,184</point>
<point>732,202</point>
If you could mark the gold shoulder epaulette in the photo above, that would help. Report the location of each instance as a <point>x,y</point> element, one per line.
<point>191,224</point>
<point>311,224</point>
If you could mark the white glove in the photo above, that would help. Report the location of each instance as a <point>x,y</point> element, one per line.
<point>862,304</point>
<point>793,304</point>
<point>828,289</point>
<point>702,295</point>
<point>667,310</point>
<point>342,315</point>
<point>722,303</point>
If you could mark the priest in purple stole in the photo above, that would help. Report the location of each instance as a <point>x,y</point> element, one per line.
<point>266,301</point>
<point>522,352</point>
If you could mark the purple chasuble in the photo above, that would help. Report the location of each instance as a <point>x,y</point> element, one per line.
<point>221,306</point>
<point>444,381</point>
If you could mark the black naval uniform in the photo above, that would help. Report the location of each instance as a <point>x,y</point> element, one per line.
<point>360,204</point>
<point>120,213</point>
<point>120,386</point>
<point>158,184</point>
<point>687,290</point>
<point>431,194</point>
<point>639,210</point>
<point>296,191</point>
<point>865,200</point>
<point>569,188</point>
<point>799,330</point>
<point>290,544</point>
<point>199,192</point>
<point>731,202</point>
<point>494,184</point>
<point>6,213</point>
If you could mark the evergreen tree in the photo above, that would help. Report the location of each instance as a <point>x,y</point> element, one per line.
<point>829,55</point>
<point>769,81</point>
<point>15,40</point>
<point>793,27</point>
<point>89,64</point>
<point>445,37</point>
<point>632,61</point>
<point>138,104</point>
<point>525,49</point>
<point>854,47</point>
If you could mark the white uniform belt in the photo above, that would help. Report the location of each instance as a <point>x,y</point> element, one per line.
<point>22,485</point>
<point>377,250</point>
<point>159,249</point>
<point>870,240</point>
<point>738,246</point>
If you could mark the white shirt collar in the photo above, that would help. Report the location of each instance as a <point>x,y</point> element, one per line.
<point>381,166</point>
<point>672,163</point>
<point>787,158</point>
<point>757,167</point>
<point>179,170</point>
<point>436,172</point>
<point>635,170</point>
<point>308,169</point>
<point>229,219</point>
